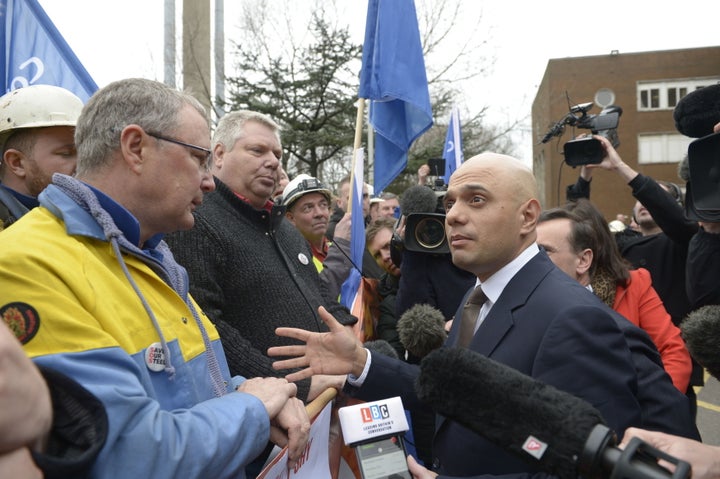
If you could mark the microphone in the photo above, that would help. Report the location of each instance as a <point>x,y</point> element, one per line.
<point>550,429</point>
<point>381,346</point>
<point>556,130</point>
<point>701,330</point>
<point>698,111</point>
<point>422,329</point>
<point>418,199</point>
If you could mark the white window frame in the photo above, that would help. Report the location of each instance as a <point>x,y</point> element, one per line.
<point>658,148</point>
<point>662,87</point>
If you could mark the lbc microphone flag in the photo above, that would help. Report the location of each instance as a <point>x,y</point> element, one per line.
<point>33,52</point>
<point>393,78</point>
<point>452,153</point>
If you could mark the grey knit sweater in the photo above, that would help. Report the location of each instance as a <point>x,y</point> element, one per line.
<point>251,271</point>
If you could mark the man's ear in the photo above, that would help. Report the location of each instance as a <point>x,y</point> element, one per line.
<point>586,259</point>
<point>290,217</point>
<point>218,155</point>
<point>531,212</point>
<point>13,161</point>
<point>133,142</point>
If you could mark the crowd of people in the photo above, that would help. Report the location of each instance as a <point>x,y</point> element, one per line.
<point>174,294</point>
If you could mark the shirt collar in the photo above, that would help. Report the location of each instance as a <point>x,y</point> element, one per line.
<point>268,204</point>
<point>495,284</point>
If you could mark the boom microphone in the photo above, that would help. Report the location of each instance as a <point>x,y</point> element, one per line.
<point>422,329</point>
<point>701,331</point>
<point>698,111</point>
<point>551,429</point>
<point>418,199</point>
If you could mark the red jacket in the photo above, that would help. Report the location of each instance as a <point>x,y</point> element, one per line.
<point>639,303</point>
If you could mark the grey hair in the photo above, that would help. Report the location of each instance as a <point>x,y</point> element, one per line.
<point>230,128</point>
<point>149,104</point>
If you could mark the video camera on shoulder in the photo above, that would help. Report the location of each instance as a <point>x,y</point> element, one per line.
<point>425,232</point>
<point>586,151</point>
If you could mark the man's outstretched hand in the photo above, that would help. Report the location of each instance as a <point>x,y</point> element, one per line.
<point>334,352</point>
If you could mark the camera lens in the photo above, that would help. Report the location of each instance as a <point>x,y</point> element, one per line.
<point>430,233</point>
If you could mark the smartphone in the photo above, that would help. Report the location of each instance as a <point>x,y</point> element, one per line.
<point>383,459</point>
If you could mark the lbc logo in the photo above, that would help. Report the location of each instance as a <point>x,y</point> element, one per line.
<point>374,413</point>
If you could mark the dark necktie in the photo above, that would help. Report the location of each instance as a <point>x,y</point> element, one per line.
<point>470,314</point>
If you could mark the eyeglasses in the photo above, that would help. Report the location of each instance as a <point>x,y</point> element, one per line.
<point>205,161</point>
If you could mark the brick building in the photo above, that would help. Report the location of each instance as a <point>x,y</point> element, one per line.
<point>647,86</point>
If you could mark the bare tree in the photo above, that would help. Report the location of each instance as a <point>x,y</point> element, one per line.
<point>303,71</point>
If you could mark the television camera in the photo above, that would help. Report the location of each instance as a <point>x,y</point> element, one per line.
<point>425,232</point>
<point>587,150</point>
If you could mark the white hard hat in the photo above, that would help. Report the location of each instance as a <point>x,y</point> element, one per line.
<point>301,185</point>
<point>37,106</point>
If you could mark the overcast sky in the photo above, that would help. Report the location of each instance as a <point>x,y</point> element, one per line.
<point>117,39</point>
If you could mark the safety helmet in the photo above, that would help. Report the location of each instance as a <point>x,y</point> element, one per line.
<point>37,106</point>
<point>301,185</point>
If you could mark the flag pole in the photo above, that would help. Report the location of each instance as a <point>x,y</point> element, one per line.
<point>356,146</point>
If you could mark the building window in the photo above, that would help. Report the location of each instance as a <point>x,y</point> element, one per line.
<point>662,148</point>
<point>665,95</point>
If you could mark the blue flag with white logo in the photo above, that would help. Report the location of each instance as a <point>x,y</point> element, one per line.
<point>452,152</point>
<point>33,52</point>
<point>393,77</point>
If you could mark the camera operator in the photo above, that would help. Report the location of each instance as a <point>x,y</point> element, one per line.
<point>665,231</point>
<point>427,276</point>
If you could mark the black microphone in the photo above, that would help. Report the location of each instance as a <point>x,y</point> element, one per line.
<point>701,332</point>
<point>556,130</point>
<point>381,346</point>
<point>422,329</point>
<point>697,112</point>
<point>418,199</point>
<point>550,429</point>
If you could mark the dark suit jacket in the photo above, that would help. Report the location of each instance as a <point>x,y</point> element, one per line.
<point>549,327</point>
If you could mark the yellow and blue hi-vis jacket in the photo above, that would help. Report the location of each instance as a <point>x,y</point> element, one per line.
<point>86,302</point>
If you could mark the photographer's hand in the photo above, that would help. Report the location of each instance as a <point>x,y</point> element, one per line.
<point>612,161</point>
<point>423,173</point>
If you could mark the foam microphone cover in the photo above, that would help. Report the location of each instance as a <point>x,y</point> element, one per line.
<point>505,407</point>
<point>701,332</point>
<point>422,329</point>
<point>381,346</point>
<point>418,199</point>
<point>698,111</point>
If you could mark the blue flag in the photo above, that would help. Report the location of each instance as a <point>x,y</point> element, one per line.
<point>33,52</point>
<point>452,152</point>
<point>393,77</point>
<point>350,288</point>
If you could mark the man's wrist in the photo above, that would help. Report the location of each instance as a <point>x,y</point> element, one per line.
<point>359,362</point>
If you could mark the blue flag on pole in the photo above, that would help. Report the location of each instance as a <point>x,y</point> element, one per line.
<point>393,77</point>
<point>452,152</point>
<point>33,52</point>
<point>349,289</point>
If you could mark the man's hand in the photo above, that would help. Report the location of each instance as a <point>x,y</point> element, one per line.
<point>423,173</point>
<point>291,428</point>
<point>703,458</point>
<point>25,407</point>
<point>336,352</point>
<point>418,471</point>
<point>19,464</point>
<point>612,161</point>
<point>272,392</point>
<point>320,383</point>
<point>343,228</point>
